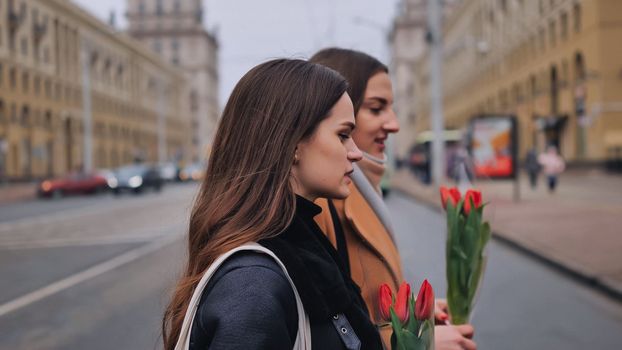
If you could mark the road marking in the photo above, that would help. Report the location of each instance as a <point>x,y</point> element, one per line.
<point>79,241</point>
<point>85,275</point>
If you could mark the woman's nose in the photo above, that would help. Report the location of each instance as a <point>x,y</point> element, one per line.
<point>354,153</point>
<point>392,125</point>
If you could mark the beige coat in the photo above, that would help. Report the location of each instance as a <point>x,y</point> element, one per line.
<point>374,259</point>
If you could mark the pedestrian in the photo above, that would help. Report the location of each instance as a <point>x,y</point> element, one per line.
<point>532,166</point>
<point>283,141</point>
<point>359,226</point>
<point>552,165</point>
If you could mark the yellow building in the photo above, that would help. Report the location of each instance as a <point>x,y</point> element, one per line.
<point>51,52</point>
<point>555,64</point>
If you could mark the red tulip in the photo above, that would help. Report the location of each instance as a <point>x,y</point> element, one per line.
<point>474,195</point>
<point>451,194</point>
<point>424,305</point>
<point>401,304</point>
<point>385,299</point>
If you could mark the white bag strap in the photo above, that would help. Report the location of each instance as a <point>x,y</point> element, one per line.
<point>303,337</point>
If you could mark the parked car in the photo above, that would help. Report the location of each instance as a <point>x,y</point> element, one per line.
<point>136,178</point>
<point>110,177</point>
<point>192,172</point>
<point>73,183</point>
<point>169,171</point>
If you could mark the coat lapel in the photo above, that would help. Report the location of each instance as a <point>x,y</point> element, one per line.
<point>371,230</point>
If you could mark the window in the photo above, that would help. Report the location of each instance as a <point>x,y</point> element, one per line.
<point>24,46</point>
<point>159,8</point>
<point>564,26</point>
<point>37,85</point>
<point>48,88</point>
<point>141,7</point>
<point>552,33</point>
<point>176,6</point>
<point>13,113</point>
<point>576,13</point>
<point>25,82</point>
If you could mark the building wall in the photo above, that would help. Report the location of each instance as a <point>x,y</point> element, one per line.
<point>540,60</point>
<point>174,29</point>
<point>42,47</point>
<point>408,46</point>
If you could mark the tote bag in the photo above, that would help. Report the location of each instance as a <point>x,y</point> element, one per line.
<point>303,337</point>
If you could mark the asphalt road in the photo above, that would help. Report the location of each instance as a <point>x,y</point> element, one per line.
<point>98,275</point>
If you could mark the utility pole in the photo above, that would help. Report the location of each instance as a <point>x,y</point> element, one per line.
<point>436,90</point>
<point>87,153</point>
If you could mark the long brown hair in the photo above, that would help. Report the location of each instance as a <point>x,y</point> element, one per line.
<point>246,194</point>
<point>357,67</point>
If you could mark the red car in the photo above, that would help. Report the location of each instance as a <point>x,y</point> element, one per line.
<point>72,184</point>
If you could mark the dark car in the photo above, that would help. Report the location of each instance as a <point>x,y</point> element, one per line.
<point>136,178</point>
<point>74,183</point>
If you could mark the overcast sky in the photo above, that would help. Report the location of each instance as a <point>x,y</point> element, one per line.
<point>252,31</point>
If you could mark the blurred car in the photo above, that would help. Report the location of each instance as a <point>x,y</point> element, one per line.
<point>73,183</point>
<point>111,179</point>
<point>169,171</point>
<point>192,172</point>
<point>136,178</point>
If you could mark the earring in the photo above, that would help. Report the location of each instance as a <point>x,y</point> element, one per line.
<point>295,158</point>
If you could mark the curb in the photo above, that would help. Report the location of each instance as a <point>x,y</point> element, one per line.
<point>611,289</point>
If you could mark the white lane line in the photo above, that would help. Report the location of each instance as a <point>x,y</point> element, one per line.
<point>77,241</point>
<point>85,275</point>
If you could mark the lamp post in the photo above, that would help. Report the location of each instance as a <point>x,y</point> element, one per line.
<point>436,90</point>
<point>87,153</point>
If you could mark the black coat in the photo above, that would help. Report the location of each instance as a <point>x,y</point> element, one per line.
<point>249,304</point>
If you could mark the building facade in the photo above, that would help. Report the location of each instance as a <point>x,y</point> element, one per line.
<point>68,82</point>
<point>175,30</point>
<point>555,64</point>
<point>408,42</point>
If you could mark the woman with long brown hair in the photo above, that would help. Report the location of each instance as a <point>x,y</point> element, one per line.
<point>360,226</point>
<point>283,141</point>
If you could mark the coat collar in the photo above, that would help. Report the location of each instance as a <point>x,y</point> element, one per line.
<point>311,261</point>
<point>371,230</point>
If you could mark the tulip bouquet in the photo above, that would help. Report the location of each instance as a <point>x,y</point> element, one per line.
<point>412,319</point>
<point>467,236</point>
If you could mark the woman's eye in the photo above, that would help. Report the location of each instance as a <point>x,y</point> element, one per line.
<point>376,111</point>
<point>344,136</point>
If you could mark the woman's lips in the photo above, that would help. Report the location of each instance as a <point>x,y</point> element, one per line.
<point>380,144</point>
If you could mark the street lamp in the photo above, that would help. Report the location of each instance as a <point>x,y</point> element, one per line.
<point>436,90</point>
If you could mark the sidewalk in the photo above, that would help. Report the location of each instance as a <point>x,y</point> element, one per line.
<point>577,229</point>
<point>15,192</point>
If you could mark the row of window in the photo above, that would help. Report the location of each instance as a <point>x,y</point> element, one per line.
<point>159,7</point>
<point>550,81</point>
<point>24,117</point>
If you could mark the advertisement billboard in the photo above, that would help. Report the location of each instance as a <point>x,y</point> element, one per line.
<point>493,146</point>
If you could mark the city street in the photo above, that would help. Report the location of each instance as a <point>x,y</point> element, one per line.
<point>90,272</point>
<point>523,304</point>
<point>97,272</point>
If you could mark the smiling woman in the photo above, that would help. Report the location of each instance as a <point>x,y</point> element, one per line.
<point>360,225</point>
